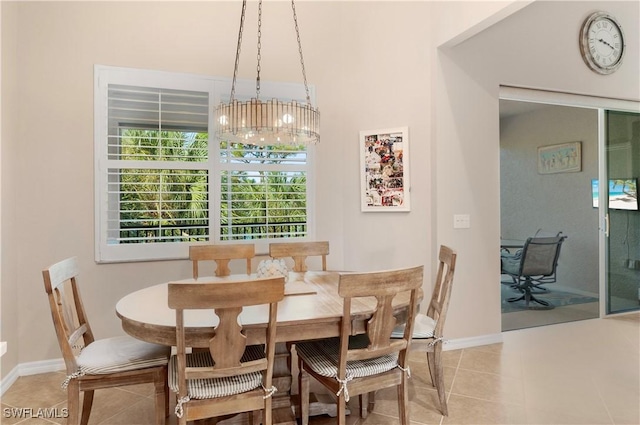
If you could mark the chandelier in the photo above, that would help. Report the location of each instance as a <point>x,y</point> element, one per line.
<point>271,122</point>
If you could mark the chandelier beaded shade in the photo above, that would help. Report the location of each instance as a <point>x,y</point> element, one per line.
<point>270,122</point>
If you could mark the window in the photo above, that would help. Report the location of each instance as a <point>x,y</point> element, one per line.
<point>164,182</point>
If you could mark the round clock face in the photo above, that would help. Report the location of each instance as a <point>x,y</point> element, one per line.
<point>602,43</point>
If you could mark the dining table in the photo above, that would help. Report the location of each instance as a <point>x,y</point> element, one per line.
<point>311,309</point>
<point>511,243</point>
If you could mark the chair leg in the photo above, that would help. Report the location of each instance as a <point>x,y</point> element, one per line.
<point>162,397</point>
<point>73,403</point>
<point>363,404</point>
<point>372,401</point>
<point>303,394</point>
<point>87,402</point>
<point>439,377</point>
<point>342,410</point>
<point>403,401</point>
<point>430,363</point>
<point>267,414</point>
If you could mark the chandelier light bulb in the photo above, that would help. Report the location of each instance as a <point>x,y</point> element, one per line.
<point>287,118</point>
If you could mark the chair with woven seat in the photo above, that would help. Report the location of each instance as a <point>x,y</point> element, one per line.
<point>299,251</point>
<point>100,363</point>
<point>428,328</point>
<point>227,377</point>
<point>222,255</point>
<point>535,265</point>
<point>359,364</point>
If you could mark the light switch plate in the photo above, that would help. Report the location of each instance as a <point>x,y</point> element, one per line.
<point>461,221</point>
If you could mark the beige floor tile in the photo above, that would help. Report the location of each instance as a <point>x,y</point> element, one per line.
<point>424,406</point>
<point>542,416</point>
<point>629,415</point>
<point>621,396</point>
<point>139,413</point>
<point>495,361</point>
<point>420,375</point>
<point>108,402</point>
<point>36,391</point>
<point>467,410</point>
<point>580,373</point>
<point>488,386</point>
<point>449,358</point>
<point>576,395</point>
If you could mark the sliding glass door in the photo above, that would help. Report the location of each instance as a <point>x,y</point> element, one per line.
<point>622,212</point>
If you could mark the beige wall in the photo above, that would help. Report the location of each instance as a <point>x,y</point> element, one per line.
<point>536,47</point>
<point>9,298</point>
<point>374,65</point>
<point>370,69</point>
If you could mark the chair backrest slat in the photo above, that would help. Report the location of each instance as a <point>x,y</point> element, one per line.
<point>221,254</point>
<point>385,286</point>
<point>299,251</point>
<point>441,295</point>
<point>67,310</point>
<point>226,301</point>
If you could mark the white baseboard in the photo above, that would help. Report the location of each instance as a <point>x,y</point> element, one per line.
<point>474,341</point>
<point>30,368</point>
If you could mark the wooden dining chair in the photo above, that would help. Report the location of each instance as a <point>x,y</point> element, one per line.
<point>299,251</point>
<point>222,255</point>
<point>91,363</point>
<point>428,328</point>
<point>227,377</point>
<point>359,364</point>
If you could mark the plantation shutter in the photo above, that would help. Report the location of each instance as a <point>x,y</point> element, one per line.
<point>158,177</point>
<point>163,183</point>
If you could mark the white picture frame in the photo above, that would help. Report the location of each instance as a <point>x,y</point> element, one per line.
<point>561,158</point>
<point>384,165</point>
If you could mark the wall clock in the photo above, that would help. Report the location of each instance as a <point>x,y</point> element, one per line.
<point>602,43</point>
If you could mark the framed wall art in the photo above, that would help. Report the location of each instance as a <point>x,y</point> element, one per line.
<point>562,158</point>
<point>384,165</point>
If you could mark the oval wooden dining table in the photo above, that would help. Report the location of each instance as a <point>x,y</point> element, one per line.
<point>311,309</point>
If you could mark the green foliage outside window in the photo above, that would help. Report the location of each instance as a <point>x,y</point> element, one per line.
<point>172,204</point>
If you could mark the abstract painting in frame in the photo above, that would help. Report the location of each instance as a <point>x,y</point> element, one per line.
<point>384,165</point>
<point>562,158</point>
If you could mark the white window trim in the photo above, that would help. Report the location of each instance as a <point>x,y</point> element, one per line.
<point>219,88</point>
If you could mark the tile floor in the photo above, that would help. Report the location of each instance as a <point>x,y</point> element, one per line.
<point>584,372</point>
<point>528,318</point>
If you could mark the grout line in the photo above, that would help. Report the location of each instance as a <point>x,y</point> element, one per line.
<point>601,397</point>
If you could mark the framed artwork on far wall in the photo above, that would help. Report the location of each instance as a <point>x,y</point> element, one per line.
<point>562,158</point>
<point>384,165</point>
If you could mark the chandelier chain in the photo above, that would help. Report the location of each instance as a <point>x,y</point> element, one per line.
<point>259,47</point>
<point>235,69</point>
<point>304,72</point>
